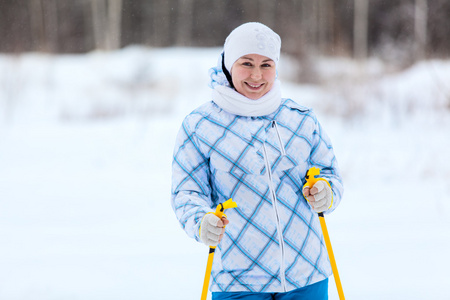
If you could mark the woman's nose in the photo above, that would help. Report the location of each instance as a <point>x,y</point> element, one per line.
<point>256,73</point>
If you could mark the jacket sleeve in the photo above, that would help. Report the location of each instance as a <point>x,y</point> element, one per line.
<point>322,156</point>
<point>191,191</point>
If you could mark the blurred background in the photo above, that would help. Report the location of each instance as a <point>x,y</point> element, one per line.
<point>403,31</point>
<point>92,94</point>
<point>416,29</point>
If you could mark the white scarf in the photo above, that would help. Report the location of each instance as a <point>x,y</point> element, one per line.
<point>235,103</point>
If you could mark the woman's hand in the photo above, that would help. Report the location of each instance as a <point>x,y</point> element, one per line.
<point>212,229</point>
<point>319,196</point>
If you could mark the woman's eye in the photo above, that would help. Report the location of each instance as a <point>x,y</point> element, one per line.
<point>246,64</point>
<point>266,65</point>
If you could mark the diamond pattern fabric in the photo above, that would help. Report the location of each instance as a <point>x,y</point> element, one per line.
<point>274,242</point>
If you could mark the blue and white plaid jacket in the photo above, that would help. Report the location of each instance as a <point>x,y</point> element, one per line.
<point>273,242</point>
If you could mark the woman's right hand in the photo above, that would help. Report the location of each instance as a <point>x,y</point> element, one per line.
<point>212,229</point>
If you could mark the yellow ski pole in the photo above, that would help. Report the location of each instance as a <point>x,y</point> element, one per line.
<point>219,213</point>
<point>310,181</point>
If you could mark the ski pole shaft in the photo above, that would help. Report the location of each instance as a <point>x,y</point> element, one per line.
<point>220,214</point>
<point>208,272</point>
<point>337,279</point>
<point>311,179</point>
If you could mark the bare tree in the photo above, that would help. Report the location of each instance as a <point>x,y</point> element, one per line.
<point>51,25</point>
<point>185,22</point>
<point>106,21</point>
<point>98,22</point>
<point>309,23</point>
<point>293,29</point>
<point>360,29</point>
<point>420,29</point>
<point>114,24</point>
<point>322,25</point>
<point>37,23</point>
<point>249,10</point>
<point>161,22</point>
<point>267,12</point>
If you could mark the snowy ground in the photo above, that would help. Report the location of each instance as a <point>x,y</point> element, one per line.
<point>85,156</point>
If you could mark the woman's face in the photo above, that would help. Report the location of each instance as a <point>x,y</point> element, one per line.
<point>253,75</point>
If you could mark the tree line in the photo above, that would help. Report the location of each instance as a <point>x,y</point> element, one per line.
<point>392,29</point>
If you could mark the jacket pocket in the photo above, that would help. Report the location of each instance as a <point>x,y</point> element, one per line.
<point>238,161</point>
<point>291,184</point>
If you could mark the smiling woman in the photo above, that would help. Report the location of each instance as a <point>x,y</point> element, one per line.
<point>253,146</point>
<point>253,75</point>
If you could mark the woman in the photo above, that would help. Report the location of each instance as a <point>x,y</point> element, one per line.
<point>251,145</point>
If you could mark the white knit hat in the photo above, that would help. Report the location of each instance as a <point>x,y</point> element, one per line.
<point>251,38</point>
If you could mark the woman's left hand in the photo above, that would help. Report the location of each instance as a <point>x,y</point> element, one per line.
<point>319,196</point>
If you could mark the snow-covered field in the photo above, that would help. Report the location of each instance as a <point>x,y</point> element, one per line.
<point>85,160</point>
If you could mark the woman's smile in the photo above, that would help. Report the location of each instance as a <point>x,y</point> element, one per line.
<point>254,85</point>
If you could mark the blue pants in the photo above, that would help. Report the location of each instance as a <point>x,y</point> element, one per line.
<point>316,291</point>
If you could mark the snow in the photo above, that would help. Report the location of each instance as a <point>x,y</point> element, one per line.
<point>85,160</point>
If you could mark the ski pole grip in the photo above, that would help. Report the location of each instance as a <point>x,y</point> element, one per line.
<point>312,176</point>
<point>220,211</point>
<point>222,206</point>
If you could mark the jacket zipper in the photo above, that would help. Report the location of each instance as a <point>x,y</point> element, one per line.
<point>280,233</point>
<point>274,124</point>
